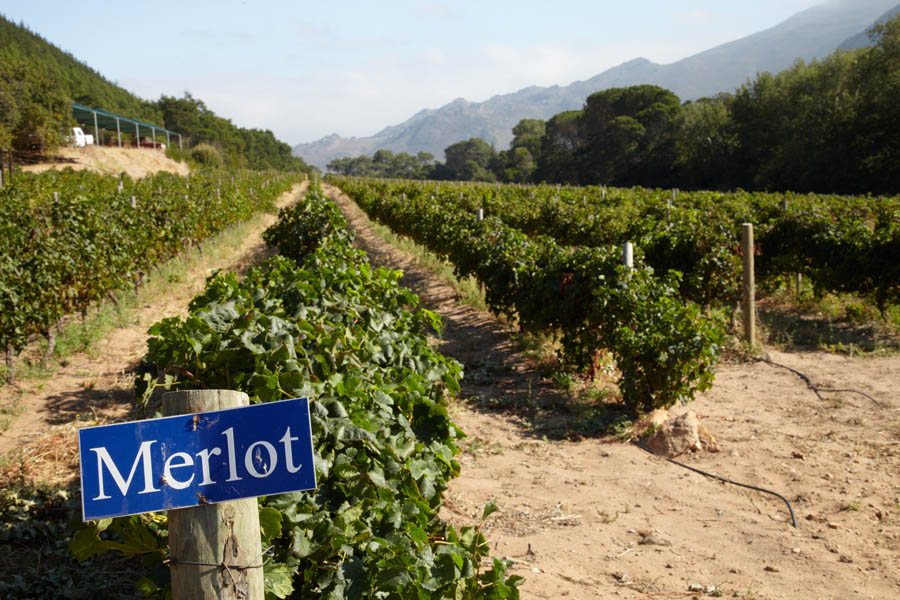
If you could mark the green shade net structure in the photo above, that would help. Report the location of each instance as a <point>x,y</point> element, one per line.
<point>95,119</point>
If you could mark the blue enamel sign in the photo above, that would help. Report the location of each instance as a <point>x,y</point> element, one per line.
<point>187,460</point>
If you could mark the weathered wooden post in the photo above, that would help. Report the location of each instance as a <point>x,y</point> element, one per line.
<point>1,167</point>
<point>10,364</point>
<point>480,214</point>
<point>215,549</point>
<point>749,305</point>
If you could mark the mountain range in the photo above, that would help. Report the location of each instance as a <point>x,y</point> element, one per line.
<point>812,33</point>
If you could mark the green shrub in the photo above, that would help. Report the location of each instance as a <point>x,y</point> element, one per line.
<point>207,155</point>
<point>178,155</point>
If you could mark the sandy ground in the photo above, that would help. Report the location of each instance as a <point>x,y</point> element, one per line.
<point>137,162</point>
<point>600,518</point>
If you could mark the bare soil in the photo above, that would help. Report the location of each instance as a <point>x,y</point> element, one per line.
<point>137,162</point>
<point>599,517</point>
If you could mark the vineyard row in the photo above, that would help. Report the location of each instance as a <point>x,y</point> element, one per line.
<point>838,243</point>
<point>69,239</point>
<point>665,348</point>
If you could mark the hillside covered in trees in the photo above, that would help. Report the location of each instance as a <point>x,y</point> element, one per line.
<point>824,126</point>
<point>39,82</point>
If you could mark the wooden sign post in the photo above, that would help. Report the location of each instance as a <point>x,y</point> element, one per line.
<point>205,462</point>
<point>215,549</point>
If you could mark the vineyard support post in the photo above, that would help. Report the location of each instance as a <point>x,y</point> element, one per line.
<point>628,255</point>
<point>224,537</point>
<point>10,364</point>
<point>1,167</point>
<point>749,305</point>
<point>9,166</point>
<point>481,214</point>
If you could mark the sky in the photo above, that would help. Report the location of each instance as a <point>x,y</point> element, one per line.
<point>309,69</point>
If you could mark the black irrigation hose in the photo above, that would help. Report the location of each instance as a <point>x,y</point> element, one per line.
<point>720,478</point>
<point>811,386</point>
<point>815,388</point>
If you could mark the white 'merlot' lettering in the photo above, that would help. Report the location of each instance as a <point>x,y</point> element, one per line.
<point>232,461</point>
<point>143,454</point>
<point>250,457</point>
<point>289,452</point>
<point>260,460</point>
<point>186,461</point>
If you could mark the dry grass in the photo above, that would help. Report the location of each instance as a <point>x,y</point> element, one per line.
<point>51,459</point>
<point>137,162</point>
<point>834,323</point>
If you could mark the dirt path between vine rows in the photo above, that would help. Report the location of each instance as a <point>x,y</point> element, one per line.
<point>96,387</point>
<point>599,518</point>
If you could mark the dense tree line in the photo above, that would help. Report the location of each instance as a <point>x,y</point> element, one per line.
<point>825,126</point>
<point>239,147</point>
<point>39,82</point>
<point>384,163</point>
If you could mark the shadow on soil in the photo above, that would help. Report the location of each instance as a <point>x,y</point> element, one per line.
<point>33,158</point>
<point>498,378</point>
<point>84,404</point>
<point>802,332</point>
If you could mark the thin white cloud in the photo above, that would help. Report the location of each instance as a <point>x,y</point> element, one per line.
<point>433,8</point>
<point>434,56</point>
<point>309,31</point>
<point>697,16</point>
<point>216,36</point>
